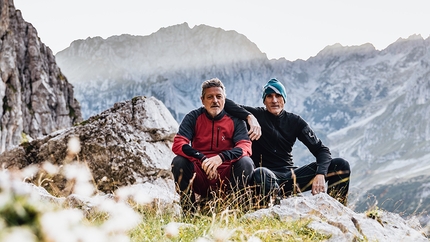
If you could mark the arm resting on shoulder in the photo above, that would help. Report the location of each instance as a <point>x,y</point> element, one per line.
<point>240,112</point>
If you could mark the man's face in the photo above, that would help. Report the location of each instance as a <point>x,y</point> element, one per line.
<point>213,100</point>
<point>274,103</point>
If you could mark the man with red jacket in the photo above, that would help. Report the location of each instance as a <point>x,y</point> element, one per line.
<point>213,148</point>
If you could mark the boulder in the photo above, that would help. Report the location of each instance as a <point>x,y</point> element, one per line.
<point>329,217</point>
<point>128,144</point>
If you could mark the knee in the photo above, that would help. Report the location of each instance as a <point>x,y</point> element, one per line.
<point>341,164</point>
<point>245,165</point>
<point>260,175</point>
<point>248,163</point>
<point>180,163</point>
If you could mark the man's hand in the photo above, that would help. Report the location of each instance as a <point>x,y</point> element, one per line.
<point>210,166</point>
<point>318,184</point>
<point>254,128</point>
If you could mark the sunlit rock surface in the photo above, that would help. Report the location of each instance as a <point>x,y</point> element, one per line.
<point>126,145</point>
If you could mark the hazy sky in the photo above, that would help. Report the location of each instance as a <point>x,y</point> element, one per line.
<point>280,28</point>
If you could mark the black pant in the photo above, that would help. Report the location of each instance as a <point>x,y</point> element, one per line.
<point>183,170</point>
<point>286,182</point>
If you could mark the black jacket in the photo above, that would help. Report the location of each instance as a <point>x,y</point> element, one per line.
<point>279,133</point>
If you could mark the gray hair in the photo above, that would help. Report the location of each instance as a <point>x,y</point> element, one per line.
<point>214,82</point>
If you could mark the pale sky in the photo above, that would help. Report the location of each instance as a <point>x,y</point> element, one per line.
<point>280,28</point>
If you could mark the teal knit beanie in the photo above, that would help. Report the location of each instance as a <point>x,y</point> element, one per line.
<point>274,86</point>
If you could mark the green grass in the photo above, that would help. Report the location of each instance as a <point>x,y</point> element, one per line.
<point>217,221</point>
<point>227,226</point>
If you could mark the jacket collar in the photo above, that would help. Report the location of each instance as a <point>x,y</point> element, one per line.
<point>218,117</point>
<point>272,116</point>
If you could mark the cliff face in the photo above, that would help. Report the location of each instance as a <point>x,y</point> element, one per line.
<point>35,97</point>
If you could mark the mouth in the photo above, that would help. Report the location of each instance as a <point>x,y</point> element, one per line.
<point>215,106</point>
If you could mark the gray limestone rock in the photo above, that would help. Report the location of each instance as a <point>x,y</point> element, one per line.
<point>329,217</point>
<point>35,97</point>
<point>126,145</point>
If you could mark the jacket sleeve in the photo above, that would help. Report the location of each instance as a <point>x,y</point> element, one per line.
<point>182,141</point>
<point>322,153</point>
<point>242,143</point>
<point>236,110</point>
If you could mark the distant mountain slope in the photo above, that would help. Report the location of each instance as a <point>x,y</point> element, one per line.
<point>371,107</point>
<point>164,64</point>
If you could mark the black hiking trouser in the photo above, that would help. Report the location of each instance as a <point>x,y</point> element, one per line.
<point>183,171</point>
<point>288,181</point>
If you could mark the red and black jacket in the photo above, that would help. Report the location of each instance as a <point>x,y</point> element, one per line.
<point>202,136</point>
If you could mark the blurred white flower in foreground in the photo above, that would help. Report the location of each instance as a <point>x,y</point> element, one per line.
<point>54,223</point>
<point>121,216</point>
<point>222,234</point>
<point>131,192</point>
<point>50,168</point>
<point>254,239</point>
<point>73,146</point>
<point>171,230</point>
<point>18,234</point>
<point>82,177</point>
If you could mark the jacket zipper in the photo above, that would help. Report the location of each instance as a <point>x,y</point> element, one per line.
<point>212,140</point>
<point>217,137</point>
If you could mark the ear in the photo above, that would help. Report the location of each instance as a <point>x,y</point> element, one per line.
<point>201,98</point>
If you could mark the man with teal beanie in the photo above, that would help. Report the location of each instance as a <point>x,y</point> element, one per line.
<point>274,86</point>
<point>276,175</point>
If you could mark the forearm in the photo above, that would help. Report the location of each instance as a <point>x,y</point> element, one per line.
<point>181,147</point>
<point>235,110</point>
<point>242,148</point>
<point>323,162</point>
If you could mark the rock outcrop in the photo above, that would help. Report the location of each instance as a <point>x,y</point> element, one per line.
<point>327,216</point>
<point>126,145</point>
<point>35,97</point>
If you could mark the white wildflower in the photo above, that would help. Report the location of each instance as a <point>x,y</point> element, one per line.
<point>254,239</point>
<point>118,238</point>
<point>18,234</point>
<point>203,239</point>
<point>60,226</point>
<point>5,199</point>
<point>83,189</point>
<point>142,198</point>
<point>80,173</point>
<point>77,171</point>
<point>138,196</point>
<point>73,146</point>
<point>171,230</point>
<point>121,217</point>
<point>90,234</point>
<point>50,168</point>
<point>28,171</point>
<point>222,234</point>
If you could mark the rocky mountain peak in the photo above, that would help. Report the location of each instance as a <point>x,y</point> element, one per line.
<point>406,45</point>
<point>35,97</point>
<point>337,50</point>
<point>170,49</point>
